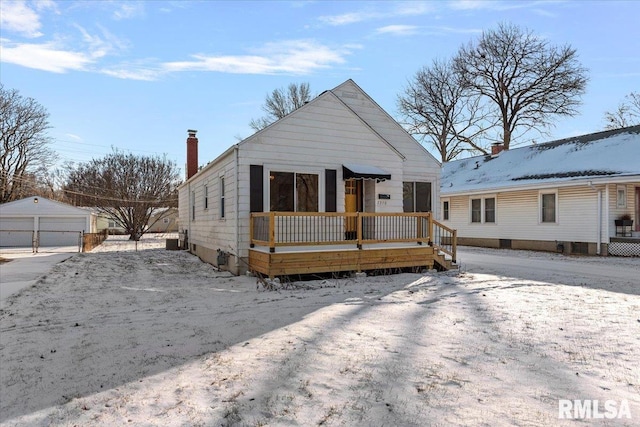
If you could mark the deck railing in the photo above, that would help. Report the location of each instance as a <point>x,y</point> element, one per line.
<point>273,229</point>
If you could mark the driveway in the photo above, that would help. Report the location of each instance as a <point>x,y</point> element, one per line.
<point>24,269</point>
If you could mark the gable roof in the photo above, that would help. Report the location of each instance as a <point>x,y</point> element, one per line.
<point>40,206</point>
<point>334,93</point>
<point>393,133</point>
<point>605,155</point>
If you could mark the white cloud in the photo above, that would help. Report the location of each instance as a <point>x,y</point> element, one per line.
<point>18,17</point>
<point>289,57</point>
<point>398,30</point>
<point>454,30</point>
<point>46,56</point>
<point>414,8</point>
<point>74,137</point>
<point>400,9</point>
<point>132,72</point>
<point>129,10</point>
<point>101,45</point>
<point>348,18</point>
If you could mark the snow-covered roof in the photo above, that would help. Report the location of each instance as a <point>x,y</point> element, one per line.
<point>597,156</point>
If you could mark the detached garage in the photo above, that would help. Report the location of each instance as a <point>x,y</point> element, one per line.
<point>49,223</point>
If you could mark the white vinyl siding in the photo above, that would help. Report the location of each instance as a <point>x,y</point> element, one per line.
<point>518,215</point>
<point>418,164</point>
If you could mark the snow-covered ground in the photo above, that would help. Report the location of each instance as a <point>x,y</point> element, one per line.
<point>155,337</point>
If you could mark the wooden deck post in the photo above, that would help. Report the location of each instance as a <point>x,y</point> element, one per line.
<point>359,230</point>
<point>430,229</point>
<point>272,231</point>
<point>251,219</point>
<point>454,245</point>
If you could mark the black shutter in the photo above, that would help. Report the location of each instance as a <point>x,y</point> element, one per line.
<point>256,200</point>
<point>423,197</point>
<point>330,190</point>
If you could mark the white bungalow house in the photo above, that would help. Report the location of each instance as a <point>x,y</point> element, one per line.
<point>565,196</point>
<point>318,170</point>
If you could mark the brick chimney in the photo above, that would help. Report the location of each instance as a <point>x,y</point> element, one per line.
<point>496,148</point>
<point>192,153</point>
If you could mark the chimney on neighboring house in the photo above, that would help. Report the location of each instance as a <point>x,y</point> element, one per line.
<point>192,153</point>
<point>496,148</point>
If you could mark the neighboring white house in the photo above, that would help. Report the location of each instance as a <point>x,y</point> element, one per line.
<point>340,152</point>
<point>48,222</point>
<point>559,196</point>
<point>168,223</point>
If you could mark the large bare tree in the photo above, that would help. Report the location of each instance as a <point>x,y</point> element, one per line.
<point>441,112</point>
<point>627,113</point>
<point>282,102</point>
<point>24,144</point>
<point>127,188</point>
<point>528,81</point>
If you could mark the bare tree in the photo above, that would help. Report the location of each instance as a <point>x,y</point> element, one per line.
<point>127,188</point>
<point>282,102</point>
<point>528,81</point>
<point>441,112</point>
<point>627,113</point>
<point>24,150</point>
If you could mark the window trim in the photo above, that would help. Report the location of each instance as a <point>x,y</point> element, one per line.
<point>206,196</point>
<point>471,221</point>
<point>542,193</point>
<point>193,205</point>
<point>414,194</point>
<point>495,209</point>
<point>621,202</point>
<point>483,208</point>
<point>446,213</point>
<point>222,197</point>
<point>319,173</point>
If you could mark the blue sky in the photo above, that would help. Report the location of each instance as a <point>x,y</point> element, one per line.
<point>136,75</point>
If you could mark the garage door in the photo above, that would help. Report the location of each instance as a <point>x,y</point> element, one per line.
<point>61,231</point>
<point>16,232</point>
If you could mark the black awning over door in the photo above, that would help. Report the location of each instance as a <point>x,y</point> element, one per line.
<point>351,170</point>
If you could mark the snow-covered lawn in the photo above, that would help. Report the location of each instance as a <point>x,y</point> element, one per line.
<point>155,337</point>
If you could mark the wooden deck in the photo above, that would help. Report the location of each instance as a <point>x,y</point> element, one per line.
<point>304,243</point>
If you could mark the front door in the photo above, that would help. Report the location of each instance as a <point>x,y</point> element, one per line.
<point>352,204</point>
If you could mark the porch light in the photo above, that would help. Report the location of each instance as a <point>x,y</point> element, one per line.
<point>35,200</point>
